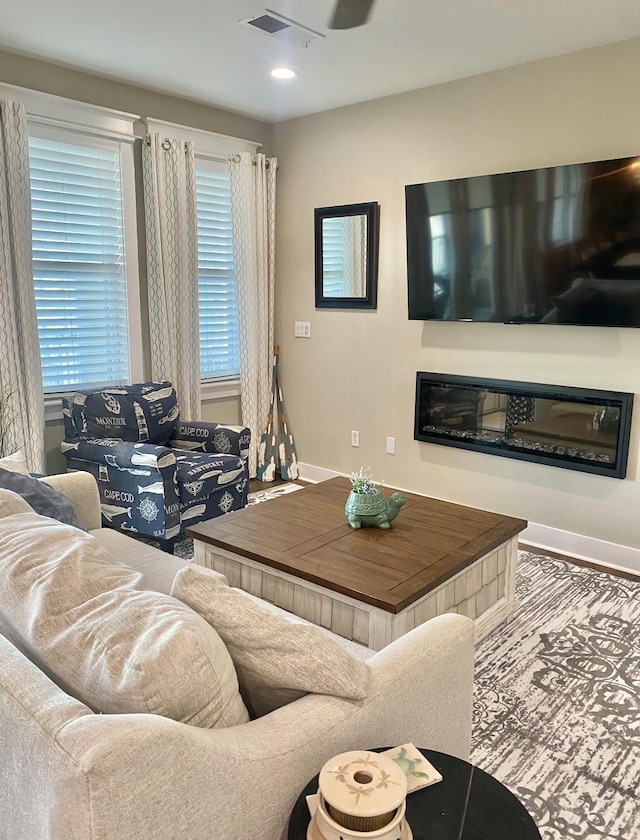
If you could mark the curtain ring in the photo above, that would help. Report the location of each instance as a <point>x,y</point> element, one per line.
<point>166,145</point>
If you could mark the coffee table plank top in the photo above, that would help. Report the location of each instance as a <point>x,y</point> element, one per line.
<point>306,534</point>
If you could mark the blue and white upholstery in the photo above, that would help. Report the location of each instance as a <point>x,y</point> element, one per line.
<point>156,473</point>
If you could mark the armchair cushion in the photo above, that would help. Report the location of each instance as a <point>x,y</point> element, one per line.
<point>277,659</point>
<point>117,649</point>
<point>145,412</point>
<point>40,497</point>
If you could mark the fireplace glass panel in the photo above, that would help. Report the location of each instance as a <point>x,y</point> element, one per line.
<point>575,428</point>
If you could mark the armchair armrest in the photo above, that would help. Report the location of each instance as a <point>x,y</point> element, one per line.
<point>217,438</point>
<point>121,454</point>
<point>137,483</point>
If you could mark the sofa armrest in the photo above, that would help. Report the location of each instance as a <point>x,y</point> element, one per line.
<point>41,784</point>
<point>435,659</point>
<point>201,436</point>
<point>82,491</point>
<point>194,778</point>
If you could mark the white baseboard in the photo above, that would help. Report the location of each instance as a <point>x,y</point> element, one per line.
<point>617,557</point>
<point>308,472</point>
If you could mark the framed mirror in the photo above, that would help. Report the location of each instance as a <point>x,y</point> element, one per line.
<point>346,256</point>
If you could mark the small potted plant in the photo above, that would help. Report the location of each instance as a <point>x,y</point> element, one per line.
<point>366,504</point>
<point>363,483</point>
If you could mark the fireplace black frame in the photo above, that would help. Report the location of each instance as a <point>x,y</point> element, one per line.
<point>468,435</point>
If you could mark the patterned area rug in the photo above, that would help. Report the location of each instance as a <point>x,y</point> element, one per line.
<point>272,493</point>
<point>557,701</point>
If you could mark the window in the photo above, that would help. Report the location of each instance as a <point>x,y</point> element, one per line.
<point>78,262</point>
<point>218,309</point>
<point>85,248</point>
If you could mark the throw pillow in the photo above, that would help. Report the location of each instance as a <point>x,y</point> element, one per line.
<point>117,649</point>
<point>11,503</point>
<point>15,462</point>
<point>277,660</point>
<point>40,496</point>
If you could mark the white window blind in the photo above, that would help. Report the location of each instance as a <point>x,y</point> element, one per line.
<point>78,262</point>
<point>334,248</point>
<point>218,308</point>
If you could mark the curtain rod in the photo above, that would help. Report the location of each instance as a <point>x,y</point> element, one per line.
<point>166,145</point>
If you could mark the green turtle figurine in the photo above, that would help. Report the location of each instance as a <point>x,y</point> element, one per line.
<point>372,509</point>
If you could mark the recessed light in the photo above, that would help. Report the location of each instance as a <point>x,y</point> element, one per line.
<point>283,73</point>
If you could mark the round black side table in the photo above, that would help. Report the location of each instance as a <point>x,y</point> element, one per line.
<point>468,804</point>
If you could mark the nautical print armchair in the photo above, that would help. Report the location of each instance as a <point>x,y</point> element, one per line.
<point>156,473</point>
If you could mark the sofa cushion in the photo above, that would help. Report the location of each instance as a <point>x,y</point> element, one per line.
<point>110,645</point>
<point>40,496</point>
<point>277,659</point>
<point>11,503</point>
<point>15,462</point>
<point>146,412</point>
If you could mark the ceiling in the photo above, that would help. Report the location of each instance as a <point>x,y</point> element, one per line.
<point>199,50</point>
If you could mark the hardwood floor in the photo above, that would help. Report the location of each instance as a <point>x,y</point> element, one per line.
<point>577,561</point>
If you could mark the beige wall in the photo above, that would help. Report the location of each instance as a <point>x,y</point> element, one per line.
<point>358,369</point>
<point>61,81</point>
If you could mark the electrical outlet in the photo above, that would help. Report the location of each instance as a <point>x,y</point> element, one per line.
<point>355,438</point>
<point>391,446</point>
<point>302,329</point>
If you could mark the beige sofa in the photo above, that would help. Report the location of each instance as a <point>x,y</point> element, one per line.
<point>68,773</point>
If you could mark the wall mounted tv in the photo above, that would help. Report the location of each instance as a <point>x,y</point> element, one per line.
<point>559,245</point>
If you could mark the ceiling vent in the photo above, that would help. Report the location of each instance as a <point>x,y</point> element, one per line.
<point>282,29</point>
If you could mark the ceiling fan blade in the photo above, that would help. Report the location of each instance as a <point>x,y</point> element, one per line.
<point>348,14</point>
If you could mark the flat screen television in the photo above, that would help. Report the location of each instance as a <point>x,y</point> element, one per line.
<point>559,245</point>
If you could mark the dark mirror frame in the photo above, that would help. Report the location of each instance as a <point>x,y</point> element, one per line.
<point>371,210</point>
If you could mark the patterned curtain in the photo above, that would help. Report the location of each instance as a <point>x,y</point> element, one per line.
<point>21,397</point>
<point>253,201</point>
<point>172,267</point>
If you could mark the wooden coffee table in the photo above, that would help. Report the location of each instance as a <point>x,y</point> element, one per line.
<point>369,585</point>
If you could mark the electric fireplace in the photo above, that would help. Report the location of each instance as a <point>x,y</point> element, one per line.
<point>574,428</point>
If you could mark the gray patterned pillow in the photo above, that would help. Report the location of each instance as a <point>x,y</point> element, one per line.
<point>43,499</point>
